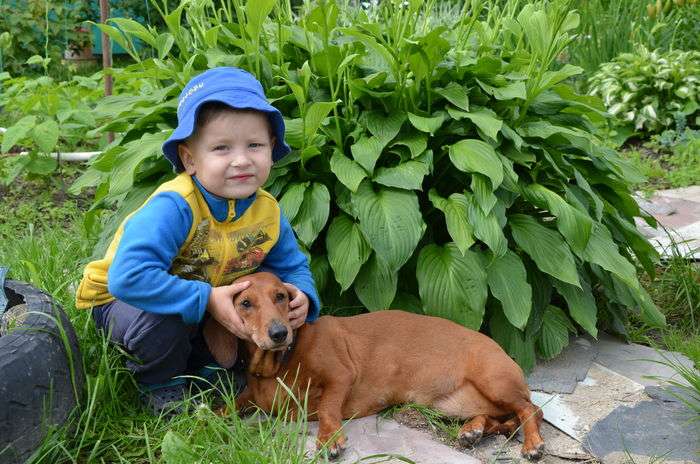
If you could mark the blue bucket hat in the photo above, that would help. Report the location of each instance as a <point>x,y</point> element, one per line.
<point>233,87</point>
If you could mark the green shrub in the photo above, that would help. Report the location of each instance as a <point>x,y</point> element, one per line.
<point>445,170</point>
<point>41,27</point>
<point>611,27</point>
<point>647,90</point>
<point>44,116</point>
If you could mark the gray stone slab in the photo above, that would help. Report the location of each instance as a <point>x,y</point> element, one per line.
<point>637,362</point>
<point>654,429</point>
<point>373,435</point>
<point>686,193</point>
<point>594,398</point>
<point>671,394</point>
<point>561,374</point>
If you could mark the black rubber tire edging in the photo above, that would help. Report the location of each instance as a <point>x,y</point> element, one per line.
<point>37,388</point>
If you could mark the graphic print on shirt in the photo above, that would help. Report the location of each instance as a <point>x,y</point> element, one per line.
<point>251,246</point>
<point>193,262</point>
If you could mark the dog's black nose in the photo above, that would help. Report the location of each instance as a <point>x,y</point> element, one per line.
<point>277,332</point>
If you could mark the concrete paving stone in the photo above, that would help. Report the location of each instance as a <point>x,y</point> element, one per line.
<point>685,193</point>
<point>637,362</point>
<point>652,430</point>
<point>561,374</point>
<point>678,214</point>
<point>593,399</point>
<point>685,239</point>
<point>374,435</point>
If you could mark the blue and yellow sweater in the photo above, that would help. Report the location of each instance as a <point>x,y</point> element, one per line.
<point>166,256</point>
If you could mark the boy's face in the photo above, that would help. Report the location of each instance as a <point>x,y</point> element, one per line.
<point>231,155</point>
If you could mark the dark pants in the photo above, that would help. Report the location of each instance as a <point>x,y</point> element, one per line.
<point>163,345</point>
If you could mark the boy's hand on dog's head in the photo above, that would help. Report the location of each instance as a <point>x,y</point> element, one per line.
<point>221,308</point>
<point>298,306</point>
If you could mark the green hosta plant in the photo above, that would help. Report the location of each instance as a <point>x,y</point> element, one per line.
<point>445,170</point>
<point>648,89</point>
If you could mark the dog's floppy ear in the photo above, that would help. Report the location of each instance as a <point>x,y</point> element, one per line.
<point>222,344</point>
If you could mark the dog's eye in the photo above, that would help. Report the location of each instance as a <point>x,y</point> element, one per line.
<point>246,304</point>
<point>280,297</point>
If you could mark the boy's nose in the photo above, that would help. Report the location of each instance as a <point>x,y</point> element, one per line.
<point>239,160</point>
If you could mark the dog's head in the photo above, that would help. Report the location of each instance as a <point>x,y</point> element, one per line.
<point>264,308</point>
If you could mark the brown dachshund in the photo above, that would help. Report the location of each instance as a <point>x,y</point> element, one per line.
<point>357,366</point>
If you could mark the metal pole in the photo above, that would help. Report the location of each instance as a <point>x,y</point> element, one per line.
<point>106,56</point>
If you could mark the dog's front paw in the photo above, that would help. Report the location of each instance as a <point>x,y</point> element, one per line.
<point>470,438</point>
<point>535,453</point>
<point>334,447</point>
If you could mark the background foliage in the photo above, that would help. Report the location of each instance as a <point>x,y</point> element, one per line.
<point>455,161</point>
<point>651,90</point>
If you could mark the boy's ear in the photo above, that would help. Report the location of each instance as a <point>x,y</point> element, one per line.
<point>185,154</point>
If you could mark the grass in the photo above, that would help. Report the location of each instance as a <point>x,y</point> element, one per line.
<point>676,291</point>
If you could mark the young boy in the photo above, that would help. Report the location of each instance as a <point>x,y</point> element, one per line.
<point>171,263</point>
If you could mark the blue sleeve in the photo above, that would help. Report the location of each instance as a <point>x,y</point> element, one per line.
<point>287,262</point>
<point>139,274</point>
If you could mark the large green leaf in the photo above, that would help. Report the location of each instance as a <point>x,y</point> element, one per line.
<point>427,124</point>
<point>554,333</point>
<point>455,209</point>
<point>408,175</point>
<point>347,250</point>
<point>45,135</point>
<point>375,285</point>
<point>315,115</point>
<point>581,304</point>
<point>385,128</point>
<point>509,92</point>
<point>483,193</point>
<point>121,179</point>
<point>573,224</point>
<point>313,213</point>
<point>17,132</point>
<point>513,341</point>
<point>349,172</point>
<point>390,220</point>
<point>366,151</point>
<point>415,141</point>
<point>486,226</point>
<point>471,155</point>
<point>545,247</point>
<point>483,118</point>
<point>455,94</point>
<point>508,283</point>
<point>292,199</point>
<point>451,284</point>
<point>603,251</point>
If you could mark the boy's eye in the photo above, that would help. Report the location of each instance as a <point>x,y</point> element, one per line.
<point>256,145</point>
<point>220,147</point>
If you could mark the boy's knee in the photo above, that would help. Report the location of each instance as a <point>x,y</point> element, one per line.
<point>158,334</point>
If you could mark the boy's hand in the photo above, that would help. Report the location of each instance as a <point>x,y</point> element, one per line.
<point>298,306</point>
<point>221,308</point>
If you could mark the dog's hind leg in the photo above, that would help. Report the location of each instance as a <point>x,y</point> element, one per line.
<point>472,430</point>
<point>530,416</point>
<point>480,426</point>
